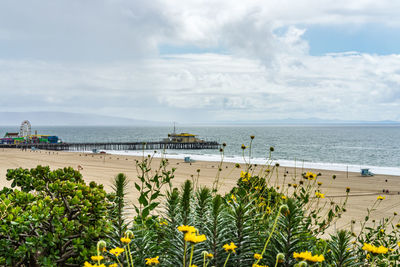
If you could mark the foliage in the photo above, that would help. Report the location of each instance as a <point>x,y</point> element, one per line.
<point>54,219</point>
<point>149,188</point>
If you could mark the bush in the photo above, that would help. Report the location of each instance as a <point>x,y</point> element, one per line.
<point>55,219</point>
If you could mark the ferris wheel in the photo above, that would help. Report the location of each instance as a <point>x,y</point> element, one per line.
<point>25,129</point>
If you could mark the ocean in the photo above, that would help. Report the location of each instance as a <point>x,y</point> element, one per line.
<point>332,147</point>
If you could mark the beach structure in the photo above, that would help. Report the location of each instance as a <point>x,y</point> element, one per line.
<point>366,172</point>
<point>174,141</point>
<point>182,138</point>
<point>115,146</point>
<point>188,160</point>
<point>25,136</point>
<point>25,129</point>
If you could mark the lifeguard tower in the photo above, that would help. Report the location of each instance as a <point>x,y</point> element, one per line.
<point>366,172</point>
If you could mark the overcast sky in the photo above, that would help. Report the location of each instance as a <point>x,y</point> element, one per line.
<point>197,61</point>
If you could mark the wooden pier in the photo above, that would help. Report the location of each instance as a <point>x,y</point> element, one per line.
<point>115,146</point>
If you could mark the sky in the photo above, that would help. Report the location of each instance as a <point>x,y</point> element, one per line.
<point>202,61</point>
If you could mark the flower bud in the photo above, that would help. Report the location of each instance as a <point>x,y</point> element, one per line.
<point>284,208</point>
<point>280,257</point>
<point>129,234</point>
<point>101,244</point>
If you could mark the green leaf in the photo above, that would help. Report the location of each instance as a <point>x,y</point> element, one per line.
<point>137,187</point>
<point>143,200</point>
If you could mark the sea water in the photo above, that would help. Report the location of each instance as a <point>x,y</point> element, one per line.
<point>332,147</point>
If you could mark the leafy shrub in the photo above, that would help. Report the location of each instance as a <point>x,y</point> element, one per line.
<point>55,219</point>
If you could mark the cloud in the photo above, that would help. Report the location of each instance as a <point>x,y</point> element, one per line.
<point>350,86</point>
<point>103,57</point>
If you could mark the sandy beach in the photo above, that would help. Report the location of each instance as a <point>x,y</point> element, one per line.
<point>103,168</point>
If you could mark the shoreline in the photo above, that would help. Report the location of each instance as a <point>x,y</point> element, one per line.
<point>323,166</point>
<point>102,168</point>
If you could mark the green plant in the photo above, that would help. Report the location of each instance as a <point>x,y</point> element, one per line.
<point>54,220</point>
<point>151,183</point>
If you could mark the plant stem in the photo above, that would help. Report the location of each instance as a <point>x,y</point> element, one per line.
<point>184,254</point>
<point>191,255</point>
<point>276,262</point>
<point>270,235</point>
<point>130,255</point>
<point>227,258</point>
<point>119,263</point>
<point>126,255</point>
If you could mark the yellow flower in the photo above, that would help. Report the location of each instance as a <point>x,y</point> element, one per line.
<point>310,175</point>
<point>374,249</point>
<point>268,210</point>
<point>257,187</point>
<point>398,243</point>
<point>113,265</point>
<point>117,251</point>
<point>163,223</point>
<point>230,247</point>
<point>194,238</point>
<point>261,204</point>
<point>186,229</point>
<point>380,198</point>
<point>283,197</point>
<point>244,174</point>
<point>306,255</point>
<point>152,261</point>
<point>87,264</point>
<point>368,256</point>
<point>97,258</point>
<point>319,183</point>
<point>319,195</point>
<point>210,255</point>
<point>257,256</point>
<point>125,240</point>
<point>193,265</point>
<point>233,197</point>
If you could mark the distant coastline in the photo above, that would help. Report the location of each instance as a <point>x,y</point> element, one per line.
<point>45,118</point>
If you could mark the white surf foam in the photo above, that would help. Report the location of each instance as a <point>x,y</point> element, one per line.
<point>237,159</point>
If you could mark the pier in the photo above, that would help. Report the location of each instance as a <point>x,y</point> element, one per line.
<point>114,146</point>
